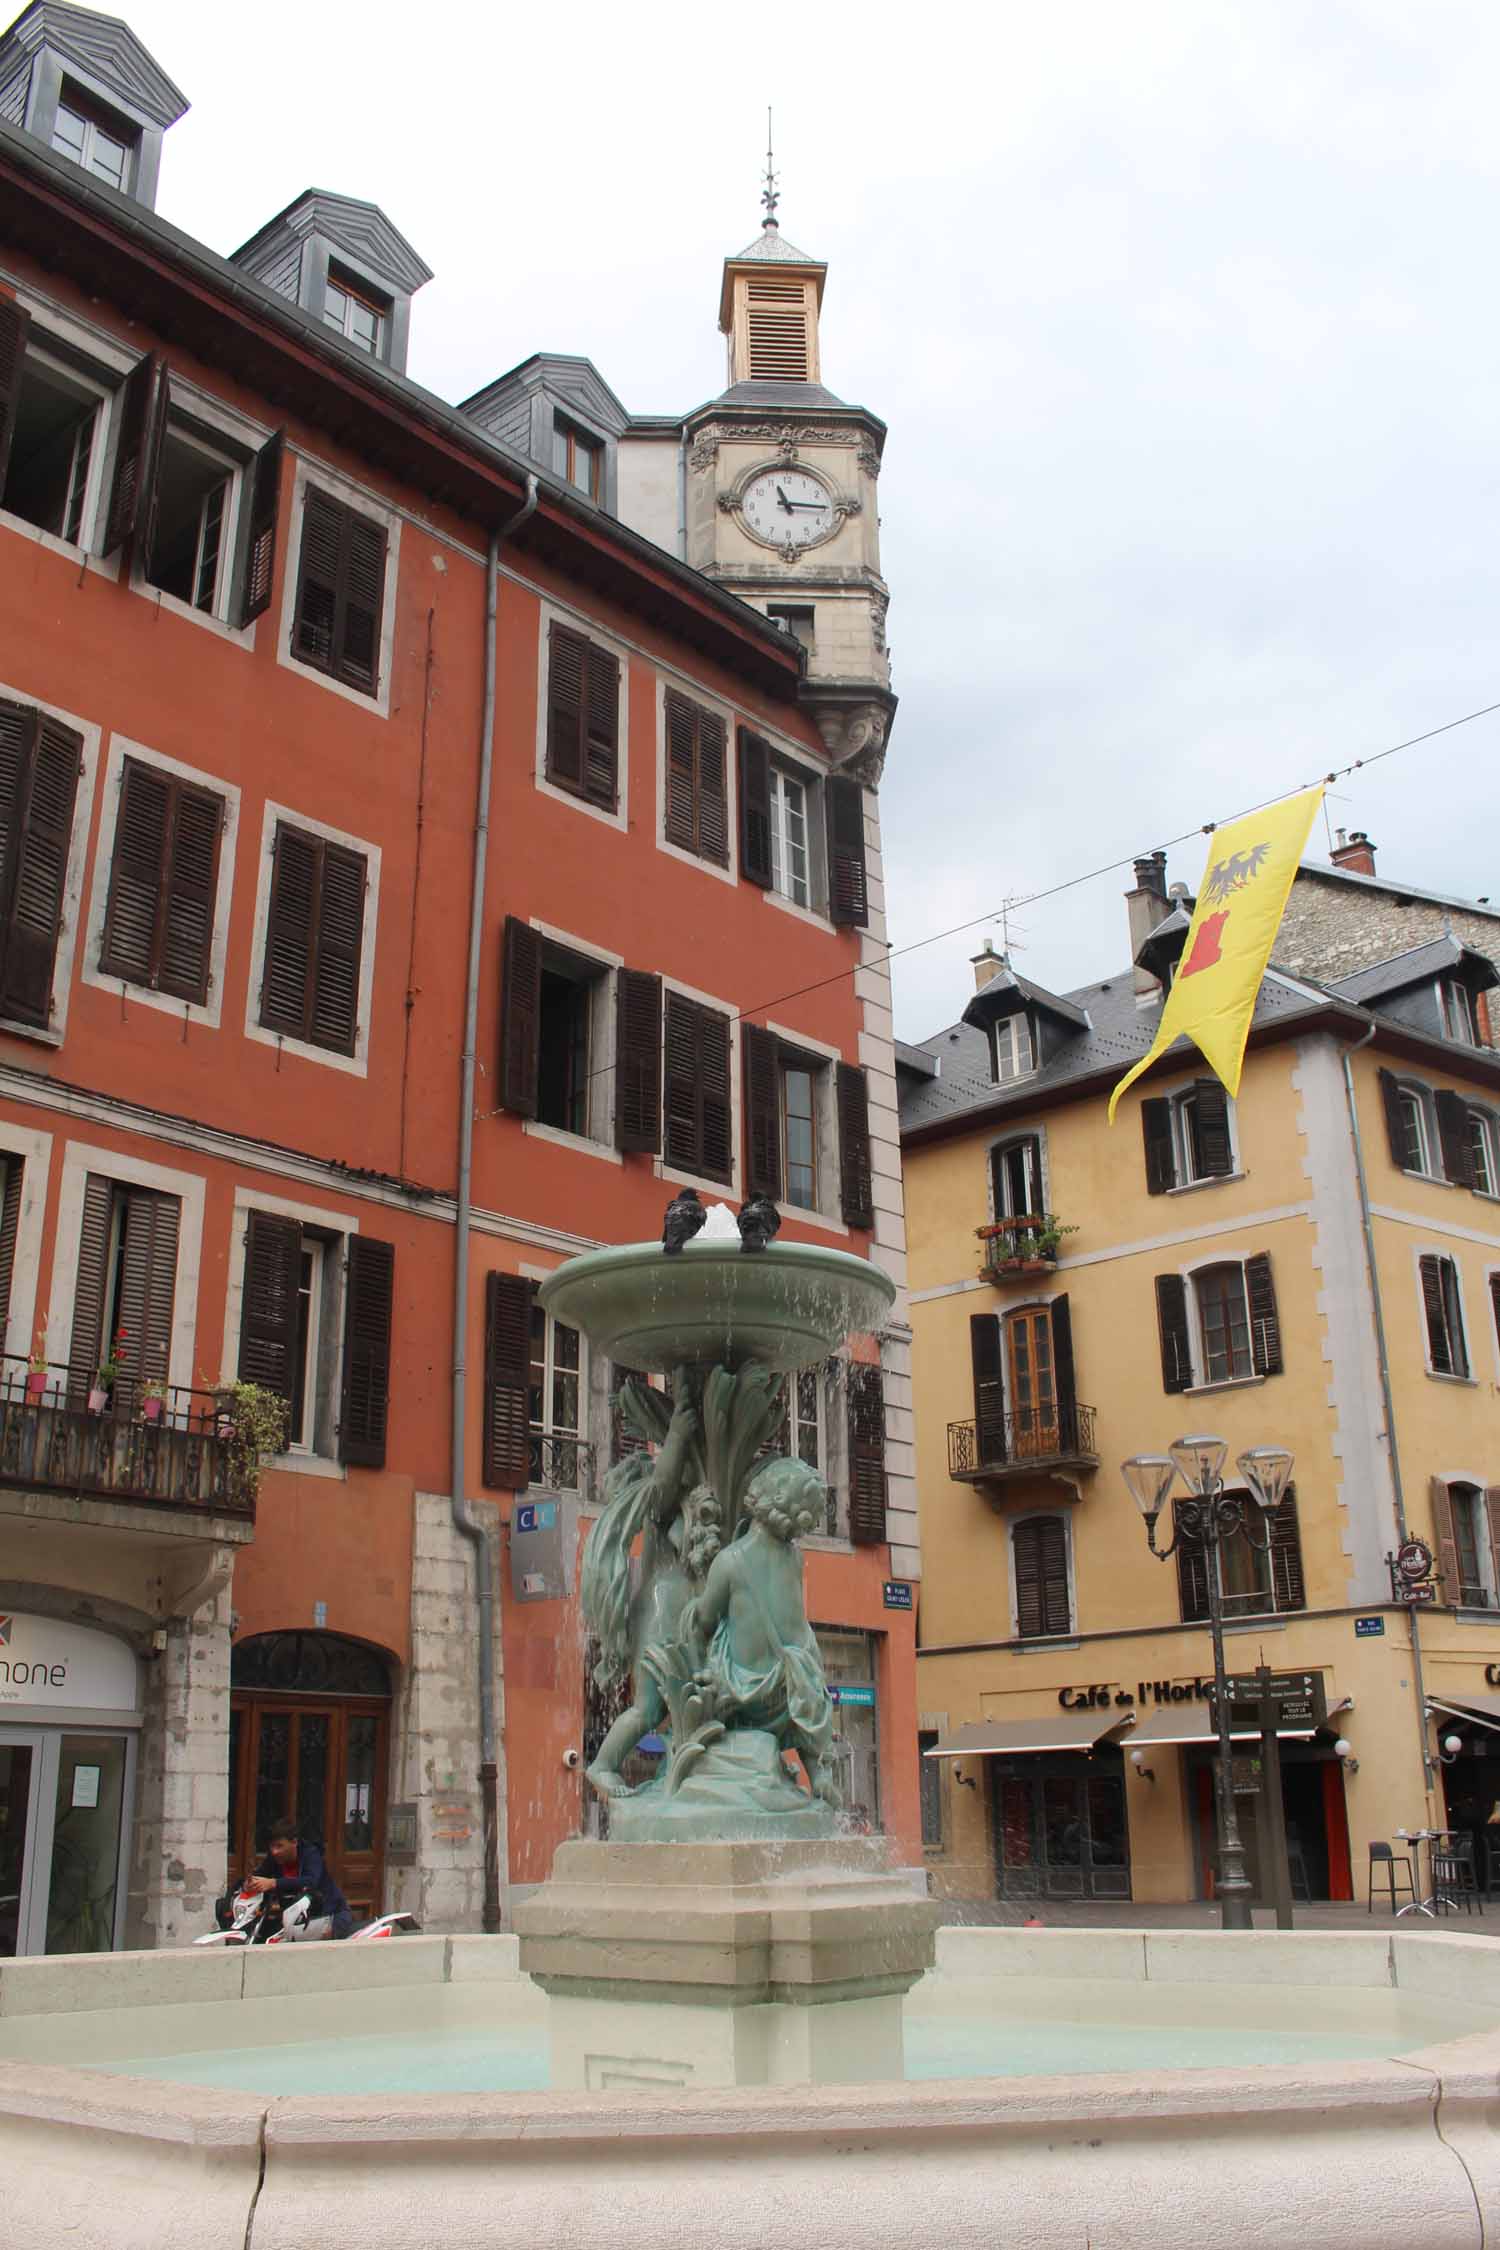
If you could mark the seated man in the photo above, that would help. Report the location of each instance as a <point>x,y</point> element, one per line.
<point>291,1867</point>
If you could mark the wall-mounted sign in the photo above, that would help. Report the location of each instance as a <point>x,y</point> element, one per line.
<point>897,1594</point>
<point>1368,1628</point>
<point>43,1661</point>
<point>863,1696</point>
<point>1299,1696</point>
<point>542,1545</point>
<point>536,1515</point>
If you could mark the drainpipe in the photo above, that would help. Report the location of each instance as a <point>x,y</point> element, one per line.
<point>1382,1358</point>
<point>482,1538</point>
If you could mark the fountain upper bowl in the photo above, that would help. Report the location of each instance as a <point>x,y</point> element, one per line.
<point>717,1304</point>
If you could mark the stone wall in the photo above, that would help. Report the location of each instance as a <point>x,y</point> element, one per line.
<point>179,1849</point>
<point>1333,926</point>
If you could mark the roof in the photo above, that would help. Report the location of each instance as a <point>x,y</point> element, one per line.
<point>361,230</point>
<point>1352,876</point>
<point>1006,994</point>
<point>915,1059</point>
<point>106,49</point>
<point>772,248</point>
<point>1417,965</point>
<point>763,392</point>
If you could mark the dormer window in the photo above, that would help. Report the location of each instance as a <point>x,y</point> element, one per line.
<point>576,458</point>
<point>1457,1004</point>
<point>1012,1049</point>
<point>358,315</point>
<point>93,137</point>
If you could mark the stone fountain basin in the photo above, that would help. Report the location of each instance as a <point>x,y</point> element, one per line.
<point>1328,2155</point>
<point>715,1303</point>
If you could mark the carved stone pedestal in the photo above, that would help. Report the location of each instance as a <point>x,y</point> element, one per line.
<point>726,1964</point>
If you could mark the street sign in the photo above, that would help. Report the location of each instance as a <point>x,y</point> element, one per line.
<point>897,1594</point>
<point>1299,1697</point>
<point>1368,1628</point>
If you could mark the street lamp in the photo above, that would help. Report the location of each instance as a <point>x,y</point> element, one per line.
<point>1205,1520</point>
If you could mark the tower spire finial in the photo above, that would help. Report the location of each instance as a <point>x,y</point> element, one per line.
<point>770,194</point>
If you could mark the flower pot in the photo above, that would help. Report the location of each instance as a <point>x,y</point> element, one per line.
<point>36,1382</point>
<point>98,1399</point>
<point>152,1409</point>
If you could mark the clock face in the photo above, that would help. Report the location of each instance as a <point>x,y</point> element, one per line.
<point>787,508</point>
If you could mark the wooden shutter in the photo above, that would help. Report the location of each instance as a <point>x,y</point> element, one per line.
<point>1287,1583</point>
<point>1215,1152</point>
<point>148,1281</point>
<point>314,941</point>
<point>260,551</point>
<point>1439,1343</point>
<point>268,1309</point>
<point>507,1372</point>
<point>364,1405</point>
<point>192,877</point>
<point>681,792</point>
<point>1156,1127</point>
<point>1265,1323</point>
<point>14,323</point>
<point>713,788</point>
<point>520,1018</point>
<point>601,764</point>
<point>38,787</point>
<point>1492,1519</point>
<point>755,808</point>
<point>339,945</point>
<point>696,1135</point>
<point>148,507</point>
<point>848,887</point>
<point>1040,1550</point>
<point>1495,1309</point>
<point>1063,1373</point>
<point>129,480</point>
<point>1453,1137</point>
<point>158,924</point>
<point>1444,1540</point>
<point>867,1495</point>
<point>989,1389</point>
<point>761,1063</point>
<point>567,657</point>
<point>86,1343</point>
<point>1395,1123</point>
<point>290,923</point>
<point>10,1225</point>
<point>856,1184</point>
<point>1192,1578</point>
<point>716,1105</point>
<point>361,598</point>
<point>315,623</point>
<point>1172,1321</point>
<point>637,1061</point>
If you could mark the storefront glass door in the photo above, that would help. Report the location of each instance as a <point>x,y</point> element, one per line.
<point>62,1824</point>
<point>20,1775</point>
<point>1059,1826</point>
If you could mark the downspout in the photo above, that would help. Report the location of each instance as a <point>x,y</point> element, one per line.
<point>483,1538</point>
<point>1382,1358</point>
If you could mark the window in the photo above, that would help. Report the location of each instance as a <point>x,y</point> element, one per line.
<point>554,1396</point>
<point>696,817</point>
<point>1466,1527</point>
<point>583,718</point>
<point>866,1439</point>
<point>1011,1054</point>
<point>39,767</point>
<point>556,1027</point>
<point>340,592</point>
<point>314,940</point>
<point>697,1121</point>
<point>799,1135</point>
<point>12,1175</point>
<point>1025,1386</point>
<point>577,459</point>
<point>1415,1139</point>
<point>54,414</point>
<point>124,1288</point>
<point>356,313</point>
<point>795,619</point>
<point>1438,1135</point>
<point>1219,1324</point>
<point>1484,1162</point>
<point>1250,1583</point>
<point>194,521</point>
<point>930,1775</point>
<point>789,841</point>
<point>779,824</point>
<point>1039,1560</point>
<point>93,137</point>
<point>1456,1003</point>
<point>1442,1310</point>
<point>1016,1178</point>
<point>337,1391</point>
<point>791,1101</point>
<point>163,884</point>
<point>1188,1137</point>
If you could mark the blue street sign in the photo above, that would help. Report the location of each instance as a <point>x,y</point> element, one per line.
<point>863,1696</point>
<point>536,1515</point>
<point>897,1594</point>
<point>1366,1628</point>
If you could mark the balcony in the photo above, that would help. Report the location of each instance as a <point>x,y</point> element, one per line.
<point>561,1464</point>
<point>1020,1248</point>
<point>161,1446</point>
<point>1021,1444</point>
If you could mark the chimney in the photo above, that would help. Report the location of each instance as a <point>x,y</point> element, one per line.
<point>987,964</point>
<point>1357,854</point>
<point>1147,905</point>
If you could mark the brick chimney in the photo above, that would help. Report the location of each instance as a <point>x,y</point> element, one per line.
<point>1147,905</point>
<point>1357,853</point>
<point>987,964</point>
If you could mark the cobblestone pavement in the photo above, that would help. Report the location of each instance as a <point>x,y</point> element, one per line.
<point>1201,1914</point>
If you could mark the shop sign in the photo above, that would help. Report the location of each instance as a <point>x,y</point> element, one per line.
<point>1299,1696</point>
<point>863,1696</point>
<point>897,1594</point>
<point>1368,1628</point>
<point>1492,1675</point>
<point>43,1661</point>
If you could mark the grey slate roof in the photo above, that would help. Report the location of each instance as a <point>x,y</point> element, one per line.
<point>1418,965</point>
<point>1006,994</point>
<point>775,251</point>
<point>102,46</point>
<point>763,392</point>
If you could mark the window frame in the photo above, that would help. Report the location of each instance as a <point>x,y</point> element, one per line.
<point>1064,1517</point>
<point>575,439</point>
<point>1007,1025</point>
<point>79,1159</point>
<point>602,1050</point>
<point>781,779</point>
<point>97,117</point>
<point>618,817</point>
<point>368,504</point>
<point>332,1231</point>
<point>32,1150</point>
<point>1484,1146</point>
<point>356,292</point>
<point>67,349</point>
<point>198,422</point>
<point>1417,1108</point>
<point>1198,1277</point>
<point>274,816</point>
<point>539,1432</point>
<point>1455,1317</point>
<point>996,1155</point>
<point>1483,1583</point>
<point>823,1061</point>
<point>1456,1001</point>
<point>662,1169</point>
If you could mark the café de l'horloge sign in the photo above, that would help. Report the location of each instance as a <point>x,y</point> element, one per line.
<point>1300,1697</point>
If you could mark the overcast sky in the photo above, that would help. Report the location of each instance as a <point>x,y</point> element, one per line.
<point>1182,315</point>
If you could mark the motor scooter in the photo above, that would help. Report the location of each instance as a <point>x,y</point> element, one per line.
<point>253,1917</point>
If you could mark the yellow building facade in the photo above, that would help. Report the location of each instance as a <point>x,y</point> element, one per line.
<point>1317,1266</point>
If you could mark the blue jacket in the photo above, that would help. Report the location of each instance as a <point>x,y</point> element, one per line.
<point>311,1875</point>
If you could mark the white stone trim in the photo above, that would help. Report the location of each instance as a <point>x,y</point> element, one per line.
<point>72,905</point>
<point>696,693</point>
<point>34,1149</point>
<point>120,748</point>
<point>549,613</point>
<point>357,1063</point>
<point>354,496</point>
<point>1426,1224</point>
<point>79,1159</point>
<point>1149,1245</point>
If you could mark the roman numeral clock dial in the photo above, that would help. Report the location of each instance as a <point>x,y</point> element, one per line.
<point>787,508</point>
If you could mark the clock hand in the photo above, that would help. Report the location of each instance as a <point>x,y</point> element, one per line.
<point>787,504</point>
<point>813,505</point>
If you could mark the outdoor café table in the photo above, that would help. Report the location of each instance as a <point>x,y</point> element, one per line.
<point>1417,1837</point>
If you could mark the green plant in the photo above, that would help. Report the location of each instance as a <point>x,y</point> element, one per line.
<point>109,1367</point>
<point>254,1420</point>
<point>1050,1233</point>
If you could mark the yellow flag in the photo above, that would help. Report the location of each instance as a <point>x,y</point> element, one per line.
<point>1251,867</point>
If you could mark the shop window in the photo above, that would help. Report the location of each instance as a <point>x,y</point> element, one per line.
<point>1188,1137</point>
<point>1039,1565</point>
<point>1250,1583</point>
<point>298,1282</point>
<point>1443,1316</point>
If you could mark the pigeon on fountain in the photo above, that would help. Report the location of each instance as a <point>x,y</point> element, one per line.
<point>685,1216</point>
<point>758,1221</point>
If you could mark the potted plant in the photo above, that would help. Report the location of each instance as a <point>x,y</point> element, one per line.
<point>108,1373</point>
<point>1049,1235</point>
<point>153,1399</point>
<point>36,1371</point>
<point>256,1431</point>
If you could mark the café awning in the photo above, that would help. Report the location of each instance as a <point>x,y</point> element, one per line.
<point>1194,1722</point>
<point>1479,1710</point>
<point>1054,1730</point>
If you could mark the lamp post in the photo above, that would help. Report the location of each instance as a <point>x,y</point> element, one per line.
<point>1205,1519</point>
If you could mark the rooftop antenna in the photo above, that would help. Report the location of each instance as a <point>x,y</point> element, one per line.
<point>770,194</point>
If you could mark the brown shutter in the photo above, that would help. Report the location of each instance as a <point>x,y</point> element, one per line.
<point>148,507</point>
<point>856,1185</point>
<point>268,1308</point>
<point>1395,1123</point>
<point>717,1105</point>
<point>135,877</point>
<point>681,791</point>
<point>637,1061</point>
<point>260,552</point>
<point>128,482</point>
<point>1495,1309</point>
<point>713,788</point>
<point>601,767</point>
<point>14,322</point>
<point>339,945</point>
<point>682,1138</point>
<point>10,1224</point>
<point>1286,1553</point>
<point>365,1402</point>
<point>315,623</point>
<point>1492,1518</point>
<point>1025,1546</point>
<point>1052,1555</point>
<point>192,877</point>
<point>520,1017</point>
<point>86,1343</point>
<point>148,1282</point>
<point>1064,1375</point>
<point>867,1495</point>
<point>507,1373</point>
<point>989,1389</point>
<point>1439,1343</point>
<point>36,872</point>
<point>1265,1324</point>
<point>848,888</point>
<point>761,1062</point>
<point>361,597</point>
<point>567,656</point>
<point>1172,1320</point>
<point>1156,1126</point>
<point>1214,1146</point>
<point>1444,1541</point>
<point>1192,1579</point>
<point>1453,1137</point>
<point>290,933</point>
<point>755,808</point>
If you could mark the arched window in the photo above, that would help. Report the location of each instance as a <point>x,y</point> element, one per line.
<point>309,1664</point>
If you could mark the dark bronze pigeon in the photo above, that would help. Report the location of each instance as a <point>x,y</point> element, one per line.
<point>758,1221</point>
<point>685,1215</point>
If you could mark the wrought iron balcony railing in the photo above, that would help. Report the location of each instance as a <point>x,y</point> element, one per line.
<point>61,1431</point>
<point>562,1464</point>
<point>1024,1439</point>
<point>1026,1243</point>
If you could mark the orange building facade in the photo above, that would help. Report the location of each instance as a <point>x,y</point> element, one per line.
<point>283,636</point>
